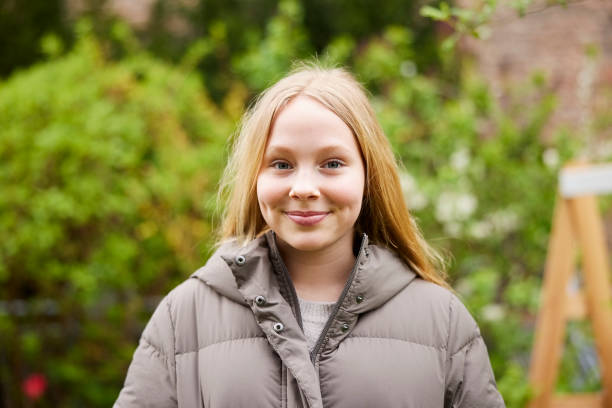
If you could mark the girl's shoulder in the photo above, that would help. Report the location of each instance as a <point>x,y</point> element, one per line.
<point>441,310</point>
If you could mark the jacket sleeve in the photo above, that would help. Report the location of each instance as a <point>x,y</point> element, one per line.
<point>151,377</point>
<point>469,378</point>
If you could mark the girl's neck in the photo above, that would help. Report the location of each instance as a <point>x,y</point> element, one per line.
<point>319,275</point>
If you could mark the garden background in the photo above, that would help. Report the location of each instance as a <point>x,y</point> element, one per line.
<point>115,123</point>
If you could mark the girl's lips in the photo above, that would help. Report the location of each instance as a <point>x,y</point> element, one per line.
<point>306,218</point>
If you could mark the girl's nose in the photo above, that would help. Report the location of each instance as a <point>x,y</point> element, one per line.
<point>304,187</point>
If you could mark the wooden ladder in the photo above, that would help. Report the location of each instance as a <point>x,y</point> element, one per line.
<point>576,225</point>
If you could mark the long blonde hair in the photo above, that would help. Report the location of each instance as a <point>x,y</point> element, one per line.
<point>384,215</point>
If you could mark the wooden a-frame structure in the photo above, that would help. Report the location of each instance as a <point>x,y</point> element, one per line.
<point>576,226</point>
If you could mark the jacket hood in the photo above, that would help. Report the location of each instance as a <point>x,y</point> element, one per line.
<point>235,271</point>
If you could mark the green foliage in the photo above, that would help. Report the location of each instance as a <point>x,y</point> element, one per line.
<point>107,174</point>
<point>473,20</point>
<point>270,58</point>
<point>513,387</point>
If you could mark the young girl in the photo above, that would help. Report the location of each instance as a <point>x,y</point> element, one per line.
<point>322,292</point>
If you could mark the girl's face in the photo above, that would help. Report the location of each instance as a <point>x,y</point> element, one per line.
<point>311,182</point>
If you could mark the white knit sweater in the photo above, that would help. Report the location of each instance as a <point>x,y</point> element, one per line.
<point>314,317</point>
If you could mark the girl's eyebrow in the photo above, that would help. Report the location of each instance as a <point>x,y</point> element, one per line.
<point>329,149</point>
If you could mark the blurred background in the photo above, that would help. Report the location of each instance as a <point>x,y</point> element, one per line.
<point>115,119</point>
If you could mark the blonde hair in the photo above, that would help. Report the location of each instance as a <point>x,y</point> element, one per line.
<point>384,215</point>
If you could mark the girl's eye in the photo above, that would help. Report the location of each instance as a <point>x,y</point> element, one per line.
<point>281,165</point>
<point>334,164</point>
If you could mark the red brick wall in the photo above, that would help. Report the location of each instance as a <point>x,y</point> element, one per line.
<point>553,40</point>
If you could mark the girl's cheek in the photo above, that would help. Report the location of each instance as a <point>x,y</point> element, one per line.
<point>346,192</point>
<point>269,189</point>
<point>349,195</point>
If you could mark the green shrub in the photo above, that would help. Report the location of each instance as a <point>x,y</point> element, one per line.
<point>108,174</point>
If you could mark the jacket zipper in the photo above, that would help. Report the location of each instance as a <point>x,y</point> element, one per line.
<point>283,385</point>
<point>293,297</point>
<point>295,304</point>
<point>315,351</point>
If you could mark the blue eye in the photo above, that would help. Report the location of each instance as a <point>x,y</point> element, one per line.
<point>334,164</point>
<point>281,165</point>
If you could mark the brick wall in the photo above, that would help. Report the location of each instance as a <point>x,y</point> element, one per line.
<point>554,40</point>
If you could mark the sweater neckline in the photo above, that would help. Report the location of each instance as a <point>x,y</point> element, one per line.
<point>316,302</point>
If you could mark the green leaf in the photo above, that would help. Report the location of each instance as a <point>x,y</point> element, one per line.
<point>435,13</point>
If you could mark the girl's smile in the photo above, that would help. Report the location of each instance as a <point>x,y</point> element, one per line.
<point>306,218</point>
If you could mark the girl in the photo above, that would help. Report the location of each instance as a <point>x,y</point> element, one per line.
<point>322,292</point>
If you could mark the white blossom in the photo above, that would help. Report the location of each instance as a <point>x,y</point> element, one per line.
<point>481,229</point>
<point>504,221</point>
<point>453,206</point>
<point>466,205</point>
<point>453,229</point>
<point>407,182</point>
<point>460,159</point>
<point>408,69</point>
<point>550,157</point>
<point>415,199</point>
<point>493,312</point>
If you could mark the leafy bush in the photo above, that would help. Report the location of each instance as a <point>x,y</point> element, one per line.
<point>107,175</point>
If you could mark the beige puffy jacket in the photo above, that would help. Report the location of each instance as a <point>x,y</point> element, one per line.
<point>230,336</point>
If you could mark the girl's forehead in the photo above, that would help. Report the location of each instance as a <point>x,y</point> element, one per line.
<point>302,109</point>
<point>304,116</point>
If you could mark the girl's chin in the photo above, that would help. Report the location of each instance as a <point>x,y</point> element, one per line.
<point>314,242</point>
<point>304,246</point>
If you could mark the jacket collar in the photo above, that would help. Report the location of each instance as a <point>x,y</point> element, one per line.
<point>379,275</point>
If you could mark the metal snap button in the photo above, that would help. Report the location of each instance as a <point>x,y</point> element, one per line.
<point>240,260</point>
<point>260,300</point>
<point>345,327</point>
<point>278,327</point>
<point>359,298</point>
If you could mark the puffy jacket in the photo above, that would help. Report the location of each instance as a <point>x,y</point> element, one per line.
<point>230,336</point>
